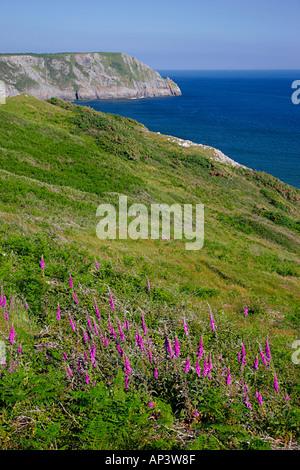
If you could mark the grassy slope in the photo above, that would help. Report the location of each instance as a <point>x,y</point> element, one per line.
<point>62,161</point>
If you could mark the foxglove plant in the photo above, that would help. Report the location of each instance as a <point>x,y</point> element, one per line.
<point>71,323</point>
<point>242,355</point>
<point>176,347</point>
<point>120,350</point>
<point>144,325</point>
<point>185,327</point>
<point>110,327</point>
<point>12,335</point>
<point>97,311</point>
<point>127,365</point>
<point>167,345</point>
<point>259,398</point>
<point>263,358</point>
<point>228,379</point>
<point>139,341</point>
<point>212,321</point>
<point>58,312</point>
<point>42,263</point>
<point>276,386</point>
<point>255,363</point>
<point>122,335</point>
<point>111,301</point>
<point>267,351</point>
<point>198,368</point>
<point>187,366</point>
<point>200,349</point>
<point>150,355</point>
<point>88,321</point>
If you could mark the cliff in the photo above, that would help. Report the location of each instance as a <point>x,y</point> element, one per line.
<point>82,76</point>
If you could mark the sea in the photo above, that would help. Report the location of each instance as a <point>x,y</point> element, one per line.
<point>248,115</point>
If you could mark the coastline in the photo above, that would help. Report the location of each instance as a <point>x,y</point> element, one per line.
<point>218,155</point>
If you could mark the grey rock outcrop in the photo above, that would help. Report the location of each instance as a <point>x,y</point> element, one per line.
<point>82,76</point>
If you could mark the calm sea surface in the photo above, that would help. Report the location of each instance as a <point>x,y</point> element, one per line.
<point>248,115</point>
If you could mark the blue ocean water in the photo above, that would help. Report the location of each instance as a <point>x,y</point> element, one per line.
<point>248,115</point>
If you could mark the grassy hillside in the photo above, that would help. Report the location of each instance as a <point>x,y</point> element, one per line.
<point>89,379</point>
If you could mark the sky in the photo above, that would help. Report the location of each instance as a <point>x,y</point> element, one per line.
<point>164,34</point>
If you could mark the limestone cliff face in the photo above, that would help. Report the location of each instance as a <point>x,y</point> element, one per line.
<point>82,76</point>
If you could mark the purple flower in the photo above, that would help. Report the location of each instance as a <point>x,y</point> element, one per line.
<point>150,404</point>
<point>42,263</point>
<point>276,386</point>
<point>12,335</point>
<point>139,341</point>
<point>75,298</point>
<point>58,312</point>
<point>96,264</point>
<point>127,365</point>
<point>176,348</point>
<point>167,345</point>
<point>110,327</point>
<point>185,327</point>
<point>228,379</point>
<point>120,350</point>
<point>195,413</point>
<point>247,403</point>
<point>245,311</point>
<point>259,398</point>
<point>144,325</point>
<point>212,321</point>
<point>255,363</point>
<point>70,281</point>
<point>187,366</point>
<point>156,374</point>
<point>150,355</point>
<point>267,350</point>
<point>126,378</point>
<point>111,301</point>
<point>97,311</point>
<point>200,349</point>
<point>71,323</point>
<point>198,368</point>
<point>85,337</point>
<point>2,301</point>
<point>242,355</point>
<point>69,371</point>
<point>148,285</point>
<point>263,358</point>
<point>88,321</point>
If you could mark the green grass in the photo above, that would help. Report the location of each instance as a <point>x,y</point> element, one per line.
<point>58,162</point>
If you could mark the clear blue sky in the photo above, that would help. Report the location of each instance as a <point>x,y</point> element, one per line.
<point>165,34</point>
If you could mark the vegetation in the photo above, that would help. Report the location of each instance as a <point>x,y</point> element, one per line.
<point>140,344</point>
